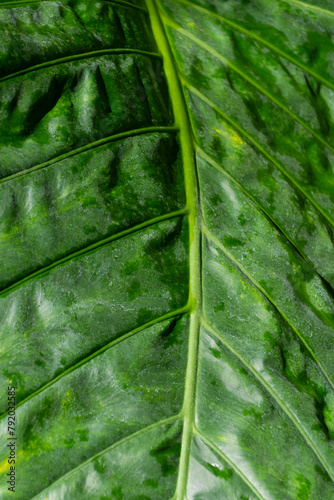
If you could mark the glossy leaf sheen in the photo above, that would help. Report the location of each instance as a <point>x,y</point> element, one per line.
<point>166,248</point>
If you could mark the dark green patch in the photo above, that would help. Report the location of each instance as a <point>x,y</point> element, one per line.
<point>229,241</point>
<point>225,473</point>
<point>167,455</point>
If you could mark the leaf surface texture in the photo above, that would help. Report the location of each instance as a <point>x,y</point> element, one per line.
<point>166,248</point>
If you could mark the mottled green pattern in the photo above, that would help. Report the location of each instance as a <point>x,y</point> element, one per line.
<point>42,31</point>
<point>59,109</point>
<point>166,248</point>
<point>85,198</point>
<point>151,458</point>
<point>115,394</point>
<point>78,307</point>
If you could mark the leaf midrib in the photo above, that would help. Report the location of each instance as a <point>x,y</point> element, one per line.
<point>191,189</point>
<point>219,452</point>
<point>195,337</point>
<point>240,130</point>
<point>193,211</point>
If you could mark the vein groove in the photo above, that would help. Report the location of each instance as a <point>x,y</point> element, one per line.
<point>212,162</point>
<point>86,55</point>
<point>274,395</point>
<point>193,211</point>
<point>94,246</point>
<point>87,147</point>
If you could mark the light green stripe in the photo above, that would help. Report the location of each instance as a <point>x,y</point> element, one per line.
<point>182,121</point>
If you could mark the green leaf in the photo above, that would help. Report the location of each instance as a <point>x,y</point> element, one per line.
<point>167,249</point>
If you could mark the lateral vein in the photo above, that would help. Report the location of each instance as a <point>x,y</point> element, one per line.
<point>106,450</point>
<point>250,80</point>
<point>88,147</point>
<point>258,38</point>
<point>259,148</point>
<point>277,226</point>
<point>94,246</point>
<point>86,55</point>
<point>102,350</point>
<point>229,461</point>
<point>212,162</point>
<point>255,283</point>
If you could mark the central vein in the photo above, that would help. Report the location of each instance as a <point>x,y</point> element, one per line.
<point>188,157</point>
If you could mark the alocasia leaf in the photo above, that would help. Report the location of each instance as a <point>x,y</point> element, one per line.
<point>166,249</point>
